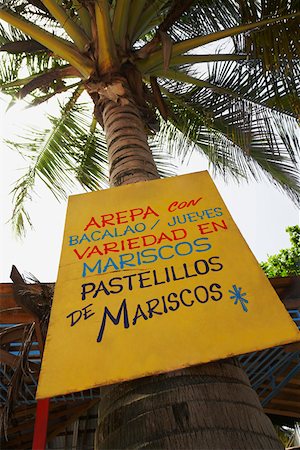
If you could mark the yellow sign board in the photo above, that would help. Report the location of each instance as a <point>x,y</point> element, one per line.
<point>153,277</point>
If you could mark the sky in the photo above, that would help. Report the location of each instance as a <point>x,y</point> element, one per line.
<point>261,211</point>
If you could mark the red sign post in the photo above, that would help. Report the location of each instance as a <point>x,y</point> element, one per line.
<point>41,424</point>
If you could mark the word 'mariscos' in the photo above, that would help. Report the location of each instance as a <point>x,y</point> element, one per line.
<point>146,256</point>
<point>159,306</point>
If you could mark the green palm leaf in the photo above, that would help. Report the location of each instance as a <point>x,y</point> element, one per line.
<point>239,109</point>
<point>91,166</point>
<point>48,159</point>
<point>237,136</point>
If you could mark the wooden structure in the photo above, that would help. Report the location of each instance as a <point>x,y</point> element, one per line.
<point>24,311</point>
<point>275,373</point>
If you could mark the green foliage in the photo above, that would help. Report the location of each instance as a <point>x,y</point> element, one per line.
<point>289,434</point>
<point>287,261</point>
<point>236,103</point>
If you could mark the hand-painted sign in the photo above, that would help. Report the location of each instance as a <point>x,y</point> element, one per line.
<point>153,277</point>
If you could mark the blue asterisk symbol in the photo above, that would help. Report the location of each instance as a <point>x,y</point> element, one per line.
<point>239,296</point>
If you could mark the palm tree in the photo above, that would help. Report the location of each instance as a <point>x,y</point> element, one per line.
<point>141,63</point>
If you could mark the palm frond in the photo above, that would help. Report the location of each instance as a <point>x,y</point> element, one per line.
<point>9,71</point>
<point>52,91</point>
<point>240,110</point>
<point>91,165</point>
<point>153,14</point>
<point>188,136</point>
<point>240,80</point>
<point>204,17</point>
<point>248,80</point>
<point>51,159</point>
<point>50,79</point>
<point>69,23</point>
<point>27,46</point>
<point>166,163</point>
<point>35,11</point>
<point>238,137</point>
<point>276,46</point>
<point>12,62</point>
<point>61,46</point>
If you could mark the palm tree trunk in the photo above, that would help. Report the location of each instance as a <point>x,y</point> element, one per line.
<point>209,406</point>
<point>130,158</point>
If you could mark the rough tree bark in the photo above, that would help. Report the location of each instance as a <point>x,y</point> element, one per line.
<point>209,406</point>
